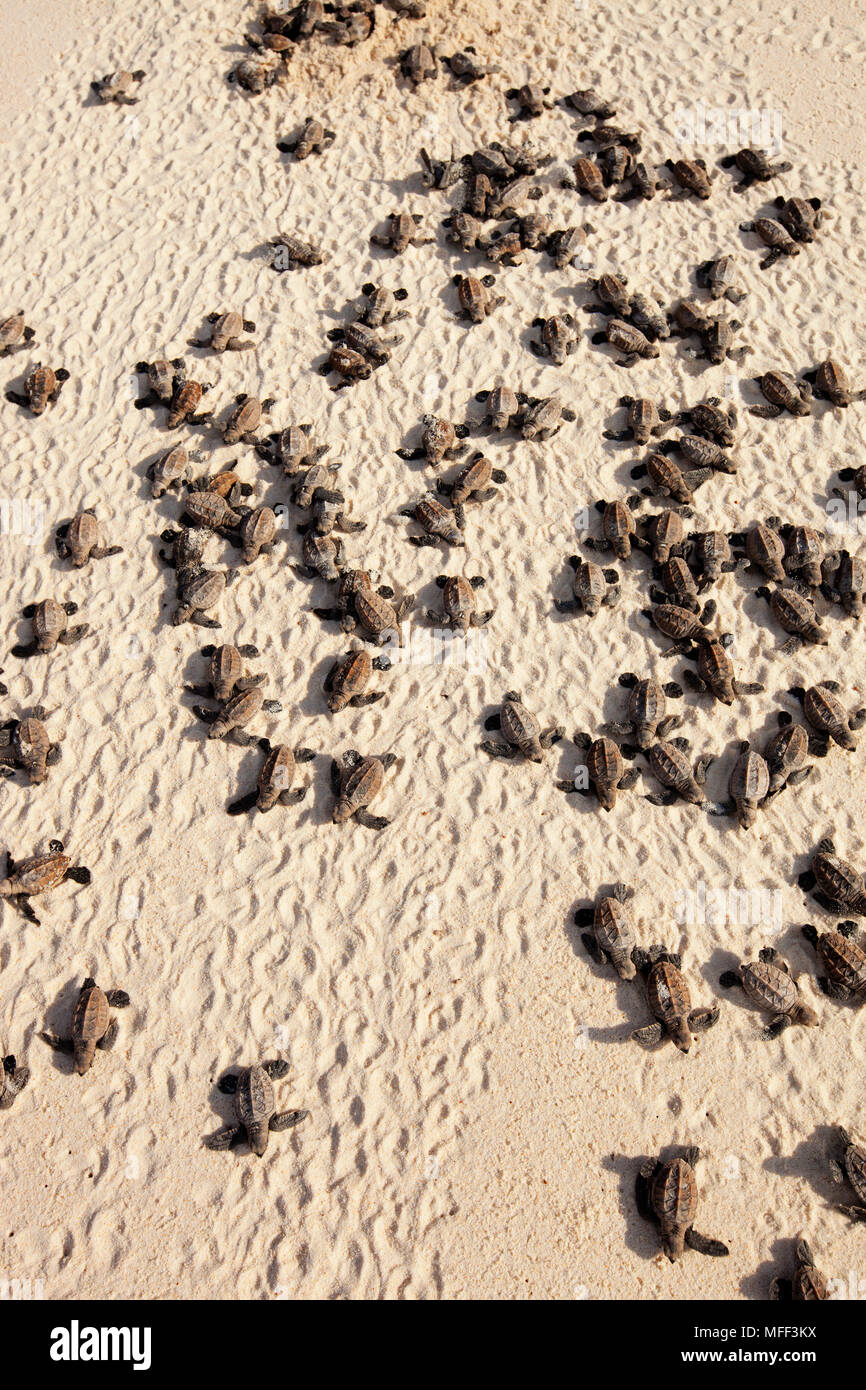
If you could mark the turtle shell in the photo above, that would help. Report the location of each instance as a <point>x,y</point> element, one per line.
<point>245,418</point>
<point>618,524</point>
<point>716,668</point>
<point>320,553</point>
<point>209,509</point>
<point>674,1198</point>
<point>855,1167</point>
<point>502,405</point>
<point>626,337</point>
<point>375,613</point>
<point>671,766</point>
<point>168,468</point>
<point>348,362</point>
<point>436,519</point>
<point>258,529</point>
<point>722,276</point>
<point>49,622</point>
<point>676,622</point>
<point>786,751</point>
<point>611,290</point>
<point>473,297</point>
<point>544,415</point>
<point>351,678</point>
<point>678,579</point>
<point>668,993</point>
<point>838,879</point>
<point>439,436</point>
<point>254,1097</point>
<point>713,550</point>
<point>647,705</point>
<point>239,709</point>
<point>590,585</point>
<point>769,987</point>
<point>472,478</point>
<point>293,446</point>
<point>184,401</point>
<point>361,783</point>
<point>82,536</point>
<point>643,416</point>
<point>823,710</point>
<point>604,762</point>
<point>666,530</point>
<point>521,728</point>
<point>32,744</point>
<point>794,612</point>
<point>458,598</point>
<point>202,588</point>
<point>402,227</point>
<point>809,1285</point>
<point>832,381</point>
<point>39,385</point>
<point>11,330</point>
<point>844,961</point>
<point>712,419</point>
<point>90,1021</point>
<point>703,453</point>
<point>588,178</point>
<point>773,234</point>
<point>614,932</point>
<point>226,669</point>
<point>40,873</point>
<point>276,776</point>
<point>226,327</point>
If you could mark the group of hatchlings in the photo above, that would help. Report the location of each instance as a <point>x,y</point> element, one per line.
<point>498,181</point>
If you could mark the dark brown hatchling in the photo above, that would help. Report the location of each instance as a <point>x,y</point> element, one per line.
<point>670,764</point>
<point>684,623</point>
<point>473,482</point>
<point>437,522</point>
<point>674,583</point>
<point>118,87</point>
<point>198,590</point>
<point>670,1001</point>
<point>255,77</point>
<point>612,937</point>
<point>401,234</point>
<point>374,614</point>
<point>41,388</point>
<point>589,102</point>
<point>838,887</point>
<point>774,236</point>
<point>618,530</point>
<point>274,783</point>
<point>851,1164</point>
<point>630,342</point>
<point>313,138</point>
<point>92,1025</point>
<point>346,682</point>
<point>567,245</point>
<point>226,335</point>
<point>381,307</point>
<point>169,471</point>
<point>719,277</point>
<point>667,479</point>
<point>14,333</point>
<point>710,557</point>
<point>755,167</point>
<point>531,99</point>
<point>839,951</point>
<point>768,983</point>
<point>843,580</point>
<point>291,251</point>
<point>715,673</point>
<point>665,534</point>
<point>748,785</point>
<point>646,718</point>
<point>476,304</point>
<point>795,613</point>
<point>245,418</point>
<point>369,342</point>
<point>227,674</point>
<point>667,1195</point>
<point>440,440</point>
<point>185,401</point>
<point>557,339</point>
<point>588,179</point>
<point>782,393</point>
<point>349,365</point>
<point>691,176</point>
<point>419,62</point>
<point>466,231</point>
<point>459,607</point>
<point>81,540</point>
<point>39,874</point>
<point>503,407</point>
<point>26,744</point>
<point>643,419</point>
<point>323,557</point>
<point>239,709</point>
<point>762,547</point>
<point>592,588</point>
<point>542,417</point>
<point>355,781</point>
<point>255,1108</point>
<point>49,621</point>
<point>602,773</point>
<point>827,717</point>
<point>808,1284</point>
<point>465,66</point>
<point>162,375</point>
<point>521,732</point>
<point>292,449</point>
<point>829,382</point>
<point>712,419</point>
<point>786,755</point>
<point>700,452</point>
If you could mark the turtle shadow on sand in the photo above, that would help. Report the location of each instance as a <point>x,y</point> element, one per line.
<point>756,1286</point>
<point>810,1162</point>
<point>56,1019</point>
<point>639,1236</point>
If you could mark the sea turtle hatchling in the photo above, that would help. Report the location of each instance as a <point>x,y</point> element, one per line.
<point>613,296</point>
<point>313,138</point>
<point>381,307</point>
<point>715,673</point>
<point>245,418</point>
<point>684,625</point>
<point>198,590</point>
<point>612,937</point>
<point>473,482</point>
<point>226,334</point>
<point>670,1001</point>
<point>592,588</point>
<point>542,417</point>
<point>775,237</point>
<point>712,419</point>
<point>691,177</point>
<point>256,1114</point>
<point>630,342</point>
<point>118,87</point>
<point>808,1284</point>
<point>643,419</point>
<point>291,251</point>
<point>801,217</point>
<point>829,382</point>
<point>42,386</point>
<point>274,783</point>
<point>521,732</point>
<point>466,231</point>
<point>588,101</point>
<point>786,755</point>
<point>588,179</point>
<point>227,674</point>
<point>602,773</point>
<point>162,375</point>
<point>796,614</point>
<point>347,680</point>
<point>667,479</point>
<point>257,533</point>
<point>755,167</point>
<point>292,449</point>
<point>843,958</point>
<point>355,781</point>
<point>665,533</point>
<point>92,1025</point>
<point>834,882</point>
<point>700,452</point>
<point>851,1164</point>
<point>667,1195</point>
<point>503,407</point>
<point>255,77</point>
<point>13,1079</point>
<point>14,333</point>
<point>646,718</point>
<point>465,66</point>
<point>768,982</point>
<point>39,874</point>
<point>238,710</point>
<point>532,100</point>
<point>719,278</point>
<point>710,557</point>
<point>183,409</point>
<point>49,622</point>
<point>440,440</point>
<point>169,471</point>
<point>673,582</point>
<point>81,540</point>
<point>748,785</point>
<point>670,764</point>
<point>439,524</point>
<point>418,63</point>
<point>349,365</point>
<point>459,607</point>
<point>618,529</point>
<point>315,492</point>
<point>26,744</point>
<point>402,232</point>
<point>206,508</point>
<point>782,393</point>
<point>373,613</point>
<point>557,338</point>
<point>566,245</point>
<point>843,580</point>
<point>476,304</point>
<point>323,557</point>
<point>827,717</point>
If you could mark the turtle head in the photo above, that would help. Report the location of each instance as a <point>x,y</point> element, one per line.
<point>682,1039</point>
<point>343,811</point>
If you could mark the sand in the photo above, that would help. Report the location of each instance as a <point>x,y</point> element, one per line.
<point>477,1110</point>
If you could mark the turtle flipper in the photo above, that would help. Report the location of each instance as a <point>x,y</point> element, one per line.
<point>649,1036</point>
<point>287,1119</point>
<point>704,1244</point>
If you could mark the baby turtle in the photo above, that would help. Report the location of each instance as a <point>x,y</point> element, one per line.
<point>665,534</point>
<point>612,937</point>
<point>786,754</point>
<point>835,884</point>
<point>81,540</point>
<point>465,66</point>
<point>808,1284</point>
<point>829,382</point>
<point>541,417</point>
<point>184,405</point>
<point>466,231</point>
<point>503,407</point>
<point>618,530</point>
<point>768,982</point>
<point>613,296</point>
<point>381,307</point>
<point>557,339</point>
<point>782,392</point>
<point>603,769</point>
<point>162,376</point>
<point>257,533</point>
<point>531,101</point>
<point>676,584</point>
<point>825,713</point>
<point>843,578</point>
<point>670,765</point>
<point>567,245</point>
<point>588,179</point>
<point>472,482</point>
<point>199,589</point>
<point>691,176</point>
<point>358,337</point>
<point>327,506</point>
<point>460,610</point>
<point>39,874</point>
<point>118,87</point>
<point>188,547</point>
<point>521,731</point>
<point>712,419</point>
<point>796,614</point>
<point>313,138</point>
<point>475,302</point>
<point>290,251</point>
<point>755,167</point>
<point>13,1079</point>
<point>647,315</point>
<point>26,744</point>
<point>274,784</point>
<point>349,365</point>
<point>851,1165</point>
<point>355,781</point>
<point>208,508</point>
<point>592,587</point>
<point>628,340</point>
<point>226,334</point>
<point>401,234</point>
<point>227,675</point>
<point>346,682</point>
<point>50,627</point>
<point>685,626</point>
<point>800,216</point>
<point>292,449</point>
<point>440,440</point>
<point>715,674</point>
<point>254,77</point>
<point>667,1195</point>
<point>719,277</point>
<point>255,1107</point>
<point>14,333</point>
<point>842,957</point>
<point>589,102</point>
<point>371,614</point>
<point>643,419</point>
<point>764,548</point>
<point>710,556</point>
<point>169,471</point>
<point>667,479</point>
<point>245,419</point>
<point>775,236</point>
<point>670,1001</point>
<point>438,522</point>
<point>418,63</point>
<point>240,708</point>
<point>701,452</point>
<point>41,388</point>
<point>323,557</point>
<point>640,183</point>
<point>92,1025</point>
<point>647,718</point>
